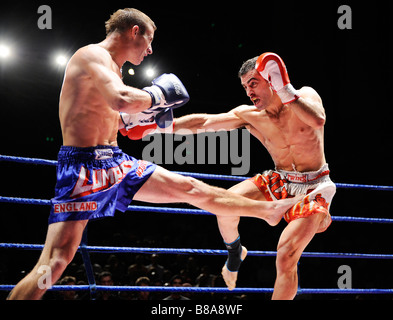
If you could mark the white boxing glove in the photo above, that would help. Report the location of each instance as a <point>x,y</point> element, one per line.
<point>272,69</point>
<point>139,125</point>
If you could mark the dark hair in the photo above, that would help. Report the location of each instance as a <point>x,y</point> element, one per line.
<point>124,19</point>
<point>175,277</point>
<point>67,280</point>
<point>142,280</point>
<point>104,274</point>
<point>247,66</point>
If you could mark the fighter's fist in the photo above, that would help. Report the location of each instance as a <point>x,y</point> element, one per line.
<point>167,91</point>
<point>139,125</point>
<point>272,69</point>
<point>138,132</point>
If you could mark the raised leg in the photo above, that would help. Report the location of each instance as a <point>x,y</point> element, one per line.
<point>167,187</point>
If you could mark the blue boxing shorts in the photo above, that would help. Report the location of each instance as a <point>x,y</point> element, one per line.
<point>93,183</point>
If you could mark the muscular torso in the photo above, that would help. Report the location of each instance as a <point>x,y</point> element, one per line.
<point>86,118</point>
<point>292,144</point>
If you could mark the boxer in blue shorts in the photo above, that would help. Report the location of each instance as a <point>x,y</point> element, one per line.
<point>94,177</point>
<point>93,182</point>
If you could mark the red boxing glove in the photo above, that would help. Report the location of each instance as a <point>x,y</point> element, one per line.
<point>272,69</point>
<point>139,125</point>
<point>138,132</point>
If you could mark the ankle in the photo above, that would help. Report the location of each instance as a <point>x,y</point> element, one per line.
<point>234,255</point>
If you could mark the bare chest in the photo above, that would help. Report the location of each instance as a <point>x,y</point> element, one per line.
<point>290,142</point>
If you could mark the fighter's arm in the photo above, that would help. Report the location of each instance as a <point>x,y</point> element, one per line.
<point>214,122</point>
<point>97,64</point>
<point>309,108</point>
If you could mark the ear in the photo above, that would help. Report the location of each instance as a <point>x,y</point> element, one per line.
<point>134,31</point>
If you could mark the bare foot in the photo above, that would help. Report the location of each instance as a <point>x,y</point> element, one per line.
<point>229,276</point>
<point>279,208</point>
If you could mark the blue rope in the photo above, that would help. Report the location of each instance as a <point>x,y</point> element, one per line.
<point>167,210</point>
<point>88,267</point>
<point>84,249</point>
<point>186,211</point>
<point>101,249</point>
<point>38,202</point>
<point>28,160</point>
<point>208,289</point>
<point>197,175</point>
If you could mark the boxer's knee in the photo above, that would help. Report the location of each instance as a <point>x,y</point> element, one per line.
<point>58,265</point>
<point>287,257</point>
<point>195,191</point>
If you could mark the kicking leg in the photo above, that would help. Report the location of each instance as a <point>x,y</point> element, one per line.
<point>167,187</point>
<point>62,241</point>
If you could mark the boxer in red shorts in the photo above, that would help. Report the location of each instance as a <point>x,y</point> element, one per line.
<point>290,124</point>
<point>317,186</point>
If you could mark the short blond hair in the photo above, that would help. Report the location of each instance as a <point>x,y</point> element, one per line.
<point>124,19</point>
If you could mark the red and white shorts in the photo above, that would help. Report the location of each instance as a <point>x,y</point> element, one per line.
<point>316,186</point>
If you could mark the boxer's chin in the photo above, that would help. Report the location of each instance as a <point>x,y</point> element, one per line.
<point>259,104</point>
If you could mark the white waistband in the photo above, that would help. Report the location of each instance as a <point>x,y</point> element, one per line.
<point>305,177</point>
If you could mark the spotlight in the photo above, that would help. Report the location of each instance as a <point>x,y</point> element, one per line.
<point>5,51</point>
<point>131,72</point>
<point>61,60</point>
<point>150,73</point>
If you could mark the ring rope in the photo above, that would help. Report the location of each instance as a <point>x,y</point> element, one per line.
<point>101,249</point>
<point>84,249</point>
<point>197,175</point>
<point>185,211</point>
<point>208,289</point>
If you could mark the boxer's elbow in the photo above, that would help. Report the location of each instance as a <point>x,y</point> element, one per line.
<point>315,116</point>
<point>319,121</point>
<point>122,104</point>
